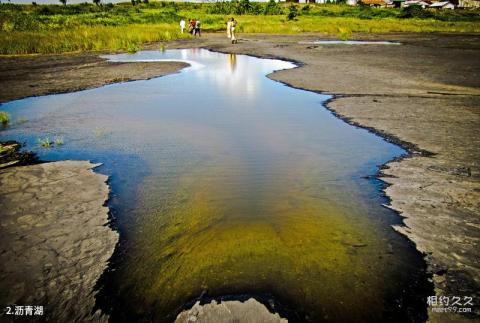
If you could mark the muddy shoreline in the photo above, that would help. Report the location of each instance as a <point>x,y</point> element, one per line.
<point>414,95</point>
<point>36,75</point>
<point>45,260</point>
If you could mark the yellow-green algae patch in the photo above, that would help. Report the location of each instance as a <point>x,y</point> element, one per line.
<point>300,248</point>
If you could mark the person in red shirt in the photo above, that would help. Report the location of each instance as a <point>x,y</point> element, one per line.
<point>191,26</point>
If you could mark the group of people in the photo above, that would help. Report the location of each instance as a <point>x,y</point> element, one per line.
<point>194,28</point>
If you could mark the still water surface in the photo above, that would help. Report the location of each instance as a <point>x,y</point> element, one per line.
<point>226,183</point>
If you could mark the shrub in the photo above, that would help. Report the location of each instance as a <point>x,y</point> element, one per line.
<point>415,12</point>
<point>272,8</point>
<point>292,12</point>
<point>306,9</point>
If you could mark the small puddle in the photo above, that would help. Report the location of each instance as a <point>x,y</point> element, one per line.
<point>349,42</point>
<point>225,182</point>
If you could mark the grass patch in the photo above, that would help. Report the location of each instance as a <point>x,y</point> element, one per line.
<point>47,143</point>
<point>4,118</point>
<point>44,142</point>
<point>59,141</point>
<point>132,48</point>
<point>26,29</point>
<point>85,38</point>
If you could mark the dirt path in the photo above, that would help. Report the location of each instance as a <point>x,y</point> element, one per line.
<point>423,94</point>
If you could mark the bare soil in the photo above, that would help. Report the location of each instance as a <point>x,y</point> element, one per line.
<point>45,258</point>
<point>34,75</point>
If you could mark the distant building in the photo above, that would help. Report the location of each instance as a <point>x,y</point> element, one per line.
<point>313,1</point>
<point>442,5</point>
<point>423,4</point>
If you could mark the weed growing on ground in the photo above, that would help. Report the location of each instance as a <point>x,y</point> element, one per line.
<point>44,142</point>
<point>59,141</point>
<point>132,48</point>
<point>4,118</point>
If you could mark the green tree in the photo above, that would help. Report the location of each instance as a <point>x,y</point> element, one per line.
<point>97,2</point>
<point>272,8</point>
<point>64,2</point>
<point>244,6</point>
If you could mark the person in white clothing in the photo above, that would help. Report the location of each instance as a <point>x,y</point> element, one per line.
<point>233,24</point>
<point>229,27</point>
<point>182,25</point>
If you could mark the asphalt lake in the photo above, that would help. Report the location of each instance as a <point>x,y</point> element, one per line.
<point>226,184</point>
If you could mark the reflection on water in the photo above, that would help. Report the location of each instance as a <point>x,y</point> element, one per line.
<point>350,42</point>
<point>227,183</point>
<point>232,60</point>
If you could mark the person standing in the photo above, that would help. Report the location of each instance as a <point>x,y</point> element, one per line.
<point>197,28</point>
<point>229,28</point>
<point>182,25</point>
<point>233,24</point>
<point>191,27</point>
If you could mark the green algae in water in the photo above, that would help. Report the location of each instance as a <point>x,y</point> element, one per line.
<point>227,183</point>
<point>314,255</point>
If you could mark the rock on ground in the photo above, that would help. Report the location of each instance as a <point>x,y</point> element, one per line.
<point>249,311</point>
